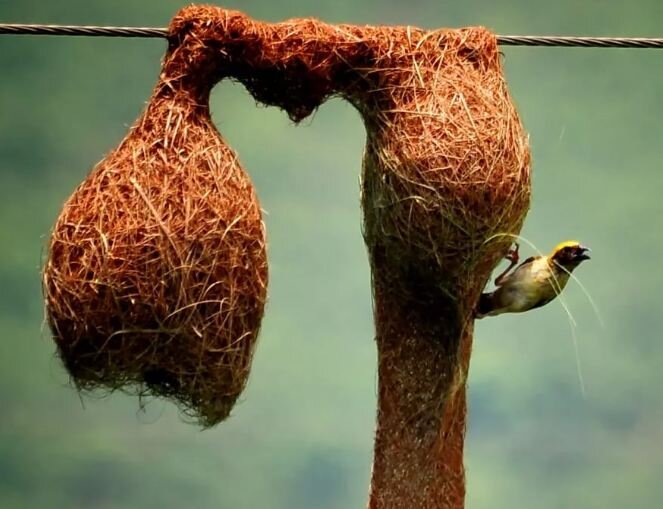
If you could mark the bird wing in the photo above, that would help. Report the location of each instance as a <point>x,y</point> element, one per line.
<point>545,300</point>
<point>528,261</point>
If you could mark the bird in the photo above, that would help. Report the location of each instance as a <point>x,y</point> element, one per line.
<point>534,283</point>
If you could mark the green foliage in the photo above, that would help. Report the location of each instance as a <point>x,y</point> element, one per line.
<point>302,435</point>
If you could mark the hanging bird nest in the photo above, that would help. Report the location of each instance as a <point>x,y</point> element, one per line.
<point>156,272</point>
<point>156,275</point>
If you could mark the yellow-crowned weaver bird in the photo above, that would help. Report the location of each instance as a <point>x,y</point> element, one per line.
<point>534,283</point>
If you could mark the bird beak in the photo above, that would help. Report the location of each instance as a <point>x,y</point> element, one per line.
<point>583,253</point>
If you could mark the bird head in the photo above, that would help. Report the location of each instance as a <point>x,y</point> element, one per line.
<point>570,254</point>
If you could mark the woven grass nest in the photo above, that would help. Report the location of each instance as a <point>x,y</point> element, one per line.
<point>156,273</point>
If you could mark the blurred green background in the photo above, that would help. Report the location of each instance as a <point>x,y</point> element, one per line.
<point>301,436</point>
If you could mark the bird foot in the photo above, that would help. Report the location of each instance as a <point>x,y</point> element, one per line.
<point>513,255</point>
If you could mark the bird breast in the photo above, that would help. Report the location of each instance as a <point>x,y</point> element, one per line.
<point>532,285</point>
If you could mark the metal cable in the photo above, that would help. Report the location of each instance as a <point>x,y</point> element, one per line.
<point>580,42</point>
<point>504,40</point>
<point>88,31</point>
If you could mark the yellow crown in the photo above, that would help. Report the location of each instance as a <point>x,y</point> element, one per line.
<point>566,243</point>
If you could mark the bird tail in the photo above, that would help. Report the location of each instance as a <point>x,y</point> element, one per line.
<point>485,305</point>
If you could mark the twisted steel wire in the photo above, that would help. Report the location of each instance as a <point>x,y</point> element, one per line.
<point>77,30</point>
<point>580,42</point>
<point>504,40</point>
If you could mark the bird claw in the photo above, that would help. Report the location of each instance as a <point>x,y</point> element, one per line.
<point>512,255</point>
